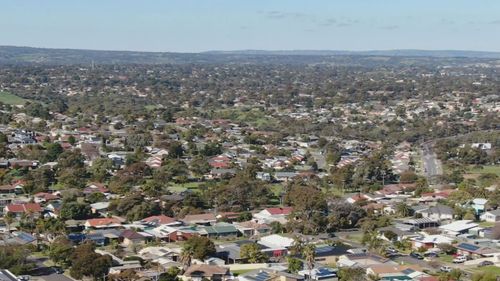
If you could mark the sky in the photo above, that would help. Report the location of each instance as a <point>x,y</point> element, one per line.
<point>202,25</point>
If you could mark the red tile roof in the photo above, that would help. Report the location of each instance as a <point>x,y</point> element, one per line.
<point>102,222</point>
<point>280,211</point>
<point>24,208</point>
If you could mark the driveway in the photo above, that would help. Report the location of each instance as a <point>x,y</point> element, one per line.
<point>42,272</point>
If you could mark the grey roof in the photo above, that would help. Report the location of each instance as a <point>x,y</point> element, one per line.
<point>439,209</point>
<point>494,212</point>
<point>6,275</point>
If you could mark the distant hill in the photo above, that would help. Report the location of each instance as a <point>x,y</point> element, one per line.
<point>28,55</point>
<point>387,53</point>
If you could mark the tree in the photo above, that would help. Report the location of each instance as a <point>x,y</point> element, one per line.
<point>372,241</point>
<point>252,253</point>
<point>294,265</point>
<point>403,210</point>
<point>53,151</point>
<point>351,274</point>
<point>15,259</point>
<point>447,248</point>
<point>126,275</point>
<point>60,251</point>
<point>87,263</point>
<point>175,150</point>
<point>199,247</point>
<point>170,275</point>
<point>75,211</point>
<point>297,246</point>
<point>408,177</point>
<point>309,254</point>
<point>8,218</point>
<point>100,168</point>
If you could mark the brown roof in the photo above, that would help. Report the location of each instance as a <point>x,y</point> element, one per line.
<point>132,235</point>
<point>200,217</point>
<point>205,270</point>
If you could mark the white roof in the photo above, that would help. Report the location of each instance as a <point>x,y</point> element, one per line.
<point>275,241</point>
<point>458,226</point>
<point>436,239</point>
<point>479,201</point>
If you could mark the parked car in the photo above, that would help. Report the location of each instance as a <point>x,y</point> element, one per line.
<point>445,268</point>
<point>460,259</point>
<point>485,263</point>
<point>58,269</point>
<point>431,255</point>
<point>416,256</point>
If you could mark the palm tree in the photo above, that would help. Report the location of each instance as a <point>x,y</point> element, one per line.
<point>297,246</point>
<point>309,254</point>
<point>8,218</point>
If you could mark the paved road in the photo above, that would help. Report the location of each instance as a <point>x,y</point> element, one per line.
<point>42,272</point>
<point>432,165</point>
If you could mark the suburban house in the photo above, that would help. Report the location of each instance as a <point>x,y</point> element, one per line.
<point>160,220</point>
<point>198,272</point>
<point>275,245</point>
<point>267,274</point>
<point>219,230</point>
<point>131,237</point>
<point>200,219</point>
<point>396,272</point>
<point>273,214</point>
<point>439,212</point>
<point>25,208</point>
<point>491,216</point>
<point>430,241</point>
<point>252,228</point>
<point>101,223</point>
<point>458,227</point>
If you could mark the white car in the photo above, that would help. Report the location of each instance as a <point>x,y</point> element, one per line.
<point>445,268</point>
<point>459,259</point>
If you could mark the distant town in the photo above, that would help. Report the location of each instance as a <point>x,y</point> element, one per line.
<point>250,167</point>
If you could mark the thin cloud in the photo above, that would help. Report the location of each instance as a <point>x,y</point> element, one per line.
<point>495,22</point>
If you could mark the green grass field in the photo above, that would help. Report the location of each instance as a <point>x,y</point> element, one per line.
<point>486,169</point>
<point>11,99</point>
<point>489,269</point>
<point>180,187</point>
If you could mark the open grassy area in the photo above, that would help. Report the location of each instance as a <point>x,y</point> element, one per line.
<point>488,269</point>
<point>11,99</point>
<point>485,170</point>
<point>277,188</point>
<point>180,187</point>
<point>356,237</point>
<point>446,258</point>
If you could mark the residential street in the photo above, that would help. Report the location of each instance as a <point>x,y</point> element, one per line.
<point>43,272</point>
<point>432,165</point>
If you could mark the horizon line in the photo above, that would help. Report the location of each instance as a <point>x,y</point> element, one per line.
<point>253,50</point>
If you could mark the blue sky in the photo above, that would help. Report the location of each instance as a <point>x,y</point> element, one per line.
<point>200,25</point>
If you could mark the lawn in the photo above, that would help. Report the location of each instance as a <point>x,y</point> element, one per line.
<point>277,189</point>
<point>11,99</point>
<point>486,169</point>
<point>489,269</point>
<point>180,187</point>
<point>446,258</point>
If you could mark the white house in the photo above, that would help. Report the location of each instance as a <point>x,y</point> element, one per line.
<point>458,227</point>
<point>491,216</point>
<point>273,214</point>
